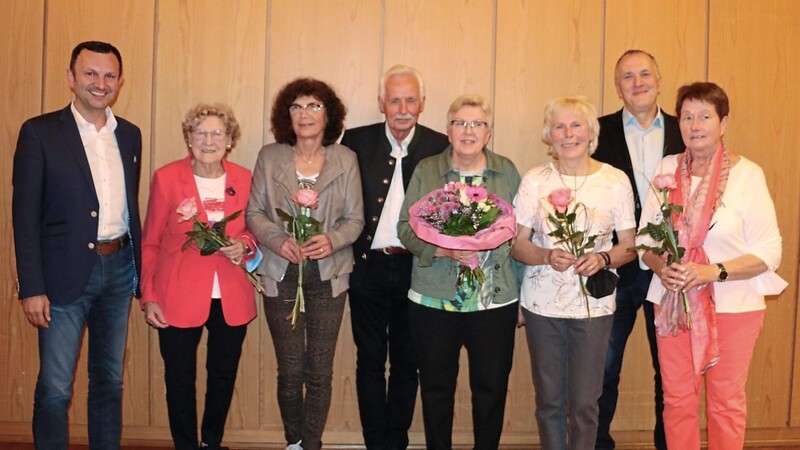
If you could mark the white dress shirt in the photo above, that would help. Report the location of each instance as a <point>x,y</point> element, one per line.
<point>386,233</point>
<point>105,162</point>
<point>646,147</point>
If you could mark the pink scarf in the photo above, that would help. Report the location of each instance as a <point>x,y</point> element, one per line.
<point>693,223</point>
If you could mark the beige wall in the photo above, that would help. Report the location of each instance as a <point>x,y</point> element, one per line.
<point>518,53</point>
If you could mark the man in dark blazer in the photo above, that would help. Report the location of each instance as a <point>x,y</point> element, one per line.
<point>381,277</point>
<point>634,139</point>
<point>77,232</point>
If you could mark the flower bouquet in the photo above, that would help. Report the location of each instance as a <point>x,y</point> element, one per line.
<point>666,232</point>
<point>210,237</point>
<point>463,217</point>
<point>301,226</point>
<point>575,240</point>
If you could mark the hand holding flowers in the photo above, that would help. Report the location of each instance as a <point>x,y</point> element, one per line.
<point>463,219</point>
<point>211,238</point>
<point>666,233</point>
<point>570,237</point>
<point>306,233</point>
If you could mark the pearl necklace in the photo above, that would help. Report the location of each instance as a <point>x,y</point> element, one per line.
<point>575,187</point>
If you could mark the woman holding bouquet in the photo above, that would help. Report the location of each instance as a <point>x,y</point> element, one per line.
<point>306,173</point>
<point>568,324</point>
<point>732,248</point>
<point>447,311</point>
<point>184,291</point>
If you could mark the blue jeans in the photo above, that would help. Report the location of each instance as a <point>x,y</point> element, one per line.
<point>630,297</point>
<point>103,307</point>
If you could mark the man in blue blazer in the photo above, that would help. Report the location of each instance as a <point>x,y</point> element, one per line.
<point>634,139</point>
<point>77,232</point>
<point>387,154</point>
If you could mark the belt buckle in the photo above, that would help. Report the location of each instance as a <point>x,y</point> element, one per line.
<point>385,251</point>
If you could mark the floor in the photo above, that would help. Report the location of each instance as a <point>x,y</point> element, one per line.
<point>19,446</point>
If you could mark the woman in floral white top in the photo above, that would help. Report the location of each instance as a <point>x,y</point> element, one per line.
<point>569,327</point>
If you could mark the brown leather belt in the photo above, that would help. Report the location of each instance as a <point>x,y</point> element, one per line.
<point>393,251</point>
<point>113,246</point>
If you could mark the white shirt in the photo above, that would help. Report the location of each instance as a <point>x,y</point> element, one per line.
<point>646,148</point>
<point>212,195</point>
<point>105,163</point>
<point>744,223</point>
<point>386,233</point>
<point>608,197</point>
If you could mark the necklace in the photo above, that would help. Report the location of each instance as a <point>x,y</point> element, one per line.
<point>575,183</point>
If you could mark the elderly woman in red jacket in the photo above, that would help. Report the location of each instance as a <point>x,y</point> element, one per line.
<point>184,291</point>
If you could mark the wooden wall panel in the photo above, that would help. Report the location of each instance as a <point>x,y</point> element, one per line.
<point>674,32</point>
<point>338,42</point>
<point>544,50</point>
<point>451,42</point>
<point>681,57</point>
<point>100,20</point>
<point>221,46</point>
<point>22,79</point>
<point>753,56</point>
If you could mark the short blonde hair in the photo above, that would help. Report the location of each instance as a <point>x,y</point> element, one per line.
<point>202,110</point>
<point>470,100</point>
<point>577,103</point>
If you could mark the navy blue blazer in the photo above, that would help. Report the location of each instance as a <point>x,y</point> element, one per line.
<point>612,149</point>
<point>55,206</point>
<point>373,150</point>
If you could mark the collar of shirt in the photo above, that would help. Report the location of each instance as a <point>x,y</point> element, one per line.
<point>83,124</point>
<point>402,150</point>
<point>629,121</point>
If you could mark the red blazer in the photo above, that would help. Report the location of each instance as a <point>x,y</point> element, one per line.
<point>181,281</point>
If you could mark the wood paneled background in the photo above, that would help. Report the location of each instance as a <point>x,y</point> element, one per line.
<point>517,53</point>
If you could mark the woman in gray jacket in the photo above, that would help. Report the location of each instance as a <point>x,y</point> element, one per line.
<point>307,118</point>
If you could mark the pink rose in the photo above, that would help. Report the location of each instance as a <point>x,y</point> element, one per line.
<point>307,198</point>
<point>664,182</point>
<point>560,198</point>
<point>187,209</point>
<point>476,193</point>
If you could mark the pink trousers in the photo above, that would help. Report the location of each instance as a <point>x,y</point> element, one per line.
<point>726,402</point>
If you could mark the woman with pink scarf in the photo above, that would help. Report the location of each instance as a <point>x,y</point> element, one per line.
<point>729,231</point>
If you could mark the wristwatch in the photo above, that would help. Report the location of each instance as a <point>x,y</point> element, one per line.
<point>723,274</point>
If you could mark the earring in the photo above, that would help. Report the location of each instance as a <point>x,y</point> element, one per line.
<point>228,147</point>
<point>190,145</point>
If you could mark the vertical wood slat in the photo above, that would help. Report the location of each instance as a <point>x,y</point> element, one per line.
<point>752,55</point>
<point>22,93</point>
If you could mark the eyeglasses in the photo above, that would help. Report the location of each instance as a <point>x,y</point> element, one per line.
<point>475,124</point>
<point>202,135</point>
<point>295,109</point>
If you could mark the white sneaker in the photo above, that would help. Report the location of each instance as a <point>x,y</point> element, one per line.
<point>296,446</point>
